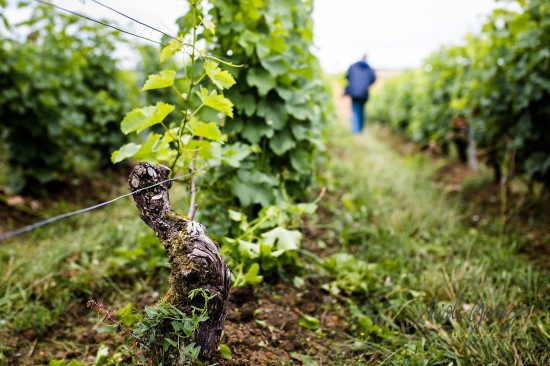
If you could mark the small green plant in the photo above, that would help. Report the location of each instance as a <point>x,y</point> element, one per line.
<point>352,275</point>
<point>64,363</point>
<point>164,334</point>
<point>225,352</point>
<point>309,322</point>
<point>265,246</point>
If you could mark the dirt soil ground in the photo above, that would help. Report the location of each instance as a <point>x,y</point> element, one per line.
<point>264,329</point>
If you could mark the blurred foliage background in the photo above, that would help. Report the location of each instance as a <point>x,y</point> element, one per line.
<point>493,90</point>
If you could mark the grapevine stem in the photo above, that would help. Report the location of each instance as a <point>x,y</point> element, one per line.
<point>187,98</point>
<point>192,204</point>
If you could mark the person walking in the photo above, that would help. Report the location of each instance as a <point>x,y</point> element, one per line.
<point>360,77</point>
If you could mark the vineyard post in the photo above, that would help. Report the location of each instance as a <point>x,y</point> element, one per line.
<point>472,150</point>
<point>508,172</point>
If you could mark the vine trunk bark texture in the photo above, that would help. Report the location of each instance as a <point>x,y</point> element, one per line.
<point>194,259</point>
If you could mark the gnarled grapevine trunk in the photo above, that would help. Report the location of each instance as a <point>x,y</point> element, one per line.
<point>193,257</point>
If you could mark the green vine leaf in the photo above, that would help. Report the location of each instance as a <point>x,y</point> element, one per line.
<point>252,277</point>
<point>254,187</point>
<point>299,159</point>
<point>261,79</point>
<point>125,152</point>
<point>164,79</point>
<point>147,151</point>
<point>173,46</point>
<point>247,40</point>
<point>141,118</point>
<point>249,249</point>
<point>309,322</point>
<point>216,101</point>
<point>221,78</point>
<point>254,131</point>
<point>208,24</point>
<point>285,239</point>
<point>282,142</point>
<point>299,111</point>
<point>234,154</point>
<point>209,131</point>
<point>128,316</point>
<point>276,65</point>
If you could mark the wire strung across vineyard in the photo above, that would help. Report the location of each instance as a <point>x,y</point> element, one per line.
<point>28,228</point>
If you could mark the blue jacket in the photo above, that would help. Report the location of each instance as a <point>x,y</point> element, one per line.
<point>360,77</point>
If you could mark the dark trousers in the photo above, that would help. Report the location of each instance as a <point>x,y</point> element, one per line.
<point>357,116</point>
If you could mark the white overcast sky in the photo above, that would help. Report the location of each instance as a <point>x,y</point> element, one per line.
<point>394,33</point>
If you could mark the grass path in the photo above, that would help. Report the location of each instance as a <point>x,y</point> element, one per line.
<point>417,248</point>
